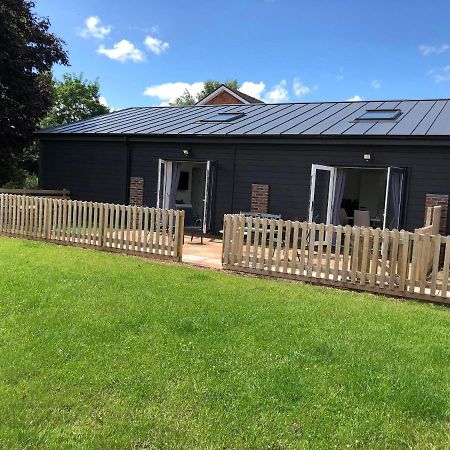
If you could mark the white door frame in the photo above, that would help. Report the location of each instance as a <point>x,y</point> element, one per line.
<point>161,163</point>
<point>165,181</point>
<point>206,198</point>
<point>331,190</point>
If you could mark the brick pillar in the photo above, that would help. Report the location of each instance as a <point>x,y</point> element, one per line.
<point>260,198</point>
<point>438,200</point>
<point>136,191</point>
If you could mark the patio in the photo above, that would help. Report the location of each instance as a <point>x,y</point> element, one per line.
<point>208,254</point>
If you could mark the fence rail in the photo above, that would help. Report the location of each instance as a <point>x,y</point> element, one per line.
<point>64,193</point>
<point>126,229</point>
<point>358,258</point>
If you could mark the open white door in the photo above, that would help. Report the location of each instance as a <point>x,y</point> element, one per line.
<point>161,176</point>
<point>393,204</point>
<point>323,180</point>
<point>164,183</point>
<point>209,184</point>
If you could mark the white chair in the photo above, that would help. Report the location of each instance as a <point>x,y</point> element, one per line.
<point>362,218</point>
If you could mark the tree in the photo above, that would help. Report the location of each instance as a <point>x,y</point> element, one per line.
<point>209,86</point>
<point>28,52</point>
<point>74,98</point>
<point>185,99</point>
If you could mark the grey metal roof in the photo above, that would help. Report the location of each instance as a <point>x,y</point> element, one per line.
<point>418,118</point>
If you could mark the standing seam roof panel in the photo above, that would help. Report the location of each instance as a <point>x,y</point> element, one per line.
<point>241,126</point>
<point>279,129</point>
<point>407,124</point>
<point>121,127</point>
<point>279,119</point>
<point>429,118</point>
<point>88,123</point>
<point>327,123</point>
<point>442,122</point>
<point>259,125</point>
<point>418,118</point>
<point>307,124</point>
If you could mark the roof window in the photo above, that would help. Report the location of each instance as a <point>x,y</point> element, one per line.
<point>380,114</point>
<point>224,117</point>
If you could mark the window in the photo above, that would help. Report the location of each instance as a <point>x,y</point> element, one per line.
<point>380,114</point>
<point>224,117</point>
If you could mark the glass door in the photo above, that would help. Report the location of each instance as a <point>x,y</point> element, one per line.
<point>164,182</point>
<point>321,193</point>
<point>209,185</point>
<point>393,205</point>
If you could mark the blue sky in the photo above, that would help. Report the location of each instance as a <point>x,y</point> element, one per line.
<point>147,52</point>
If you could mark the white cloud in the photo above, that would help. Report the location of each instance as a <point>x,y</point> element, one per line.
<point>355,98</point>
<point>440,75</point>
<point>301,89</point>
<point>155,45</point>
<point>102,101</point>
<point>431,49</point>
<point>376,84</point>
<point>122,51</point>
<point>168,92</point>
<point>92,28</point>
<point>278,93</point>
<point>253,89</point>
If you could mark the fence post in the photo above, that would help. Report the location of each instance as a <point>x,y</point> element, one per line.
<point>180,237</point>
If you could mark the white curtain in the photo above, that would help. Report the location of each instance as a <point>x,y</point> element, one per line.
<point>338,195</point>
<point>176,170</point>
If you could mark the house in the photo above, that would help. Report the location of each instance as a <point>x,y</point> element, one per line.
<point>224,95</point>
<point>319,161</point>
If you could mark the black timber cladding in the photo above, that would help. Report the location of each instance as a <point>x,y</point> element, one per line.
<point>97,171</point>
<point>418,118</point>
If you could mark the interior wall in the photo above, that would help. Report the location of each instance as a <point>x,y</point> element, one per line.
<point>368,187</point>
<point>198,190</point>
<point>185,196</point>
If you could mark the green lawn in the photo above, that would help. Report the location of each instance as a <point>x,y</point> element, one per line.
<point>99,350</point>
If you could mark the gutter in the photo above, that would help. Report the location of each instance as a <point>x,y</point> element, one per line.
<point>254,139</point>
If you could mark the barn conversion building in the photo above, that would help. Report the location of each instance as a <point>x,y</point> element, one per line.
<point>320,161</point>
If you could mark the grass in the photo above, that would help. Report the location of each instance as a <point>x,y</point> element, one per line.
<point>105,351</point>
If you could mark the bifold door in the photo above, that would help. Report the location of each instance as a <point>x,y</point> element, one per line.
<point>208,210</point>
<point>164,182</point>
<point>165,169</point>
<point>321,193</point>
<point>393,205</point>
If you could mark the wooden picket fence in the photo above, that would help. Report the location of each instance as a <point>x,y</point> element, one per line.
<point>381,261</point>
<point>125,229</point>
<point>53,193</point>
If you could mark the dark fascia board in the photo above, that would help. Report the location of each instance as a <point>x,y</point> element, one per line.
<point>434,141</point>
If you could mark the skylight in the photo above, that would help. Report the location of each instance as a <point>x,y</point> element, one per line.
<point>380,114</point>
<point>224,117</point>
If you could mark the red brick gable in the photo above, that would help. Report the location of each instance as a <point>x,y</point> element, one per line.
<point>224,98</point>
